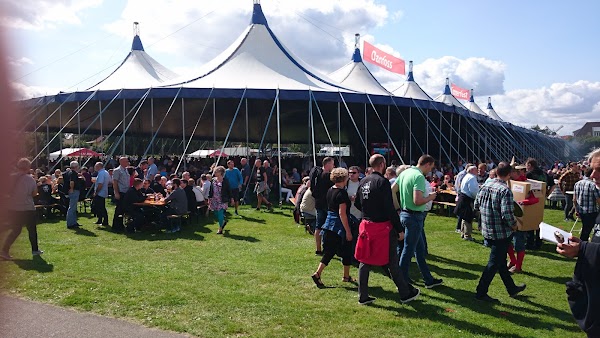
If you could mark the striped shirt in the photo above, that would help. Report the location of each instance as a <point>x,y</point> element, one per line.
<point>495,202</point>
<point>587,194</point>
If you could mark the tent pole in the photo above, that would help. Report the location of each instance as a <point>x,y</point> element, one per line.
<point>458,143</point>
<point>183,131</point>
<point>214,124</point>
<point>312,126</point>
<point>152,124</point>
<point>366,140</point>
<point>247,137</point>
<point>451,126</point>
<point>339,123</point>
<point>60,143</point>
<point>124,152</point>
<point>186,146</point>
<point>389,137</point>
<point>410,132</point>
<point>279,145</point>
<point>47,140</point>
<point>439,152</point>
<point>427,131</point>
<point>100,117</point>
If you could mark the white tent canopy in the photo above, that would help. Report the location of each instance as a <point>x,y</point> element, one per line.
<point>448,98</point>
<point>355,75</point>
<point>258,60</point>
<point>138,70</point>
<point>473,106</point>
<point>64,152</point>
<point>491,112</point>
<point>410,89</point>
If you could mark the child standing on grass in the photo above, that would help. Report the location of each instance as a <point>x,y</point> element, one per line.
<point>218,197</point>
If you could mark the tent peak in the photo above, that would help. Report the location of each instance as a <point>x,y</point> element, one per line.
<point>471,99</point>
<point>137,42</point>
<point>490,103</point>
<point>410,76</point>
<point>356,56</point>
<point>258,17</point>
<point>447,90</point>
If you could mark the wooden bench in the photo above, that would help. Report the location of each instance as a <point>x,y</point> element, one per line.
<point>449,206</point>
<point>45,210</point>
<point>85,203</point>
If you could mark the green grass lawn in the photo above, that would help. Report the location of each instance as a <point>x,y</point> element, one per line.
<point>255,281</point>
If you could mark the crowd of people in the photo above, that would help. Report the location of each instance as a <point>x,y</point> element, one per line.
<point>378,217</point>
<point>370,217</point>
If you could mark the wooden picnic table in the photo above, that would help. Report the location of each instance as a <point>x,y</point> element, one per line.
<point>151,203</point>
<point>449,192</point>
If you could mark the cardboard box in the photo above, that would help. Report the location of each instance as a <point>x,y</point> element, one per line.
<point>533,214</point>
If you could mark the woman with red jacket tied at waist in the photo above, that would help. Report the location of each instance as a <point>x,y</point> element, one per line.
<point>374,199</point>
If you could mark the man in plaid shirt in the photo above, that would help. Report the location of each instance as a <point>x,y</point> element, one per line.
<point>567,183</point>
<point>495,202</point>
<point>586,200</point>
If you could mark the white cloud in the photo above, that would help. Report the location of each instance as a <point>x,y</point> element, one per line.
<point>23,92</point>
<point>485,76</point>
<point>13,62</point>
<point>41,14</point>
<point>566,104</point>
<point>295,23</point>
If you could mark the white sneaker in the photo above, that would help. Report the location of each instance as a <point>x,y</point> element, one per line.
<point>37,253</point>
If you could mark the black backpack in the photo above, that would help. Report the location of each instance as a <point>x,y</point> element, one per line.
<point>315,176</point>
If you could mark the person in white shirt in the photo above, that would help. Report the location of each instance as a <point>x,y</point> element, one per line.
<point>198,192</point>
<point>469,188</point>
<point>352,188</point>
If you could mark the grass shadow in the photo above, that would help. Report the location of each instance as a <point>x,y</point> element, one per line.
<point>252,219</point>
<point>250,239</point>
<point>452,273</point>
<point>466,266</point>
<point>519,316</point>
<point>84,232</point>
<point>37,263</point>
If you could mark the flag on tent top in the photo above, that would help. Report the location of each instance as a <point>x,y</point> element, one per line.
<point>460,93</point>
<point>382,59</point>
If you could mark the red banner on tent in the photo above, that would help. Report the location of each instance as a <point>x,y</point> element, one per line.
<point>384,60</point>
<point>460,93</point>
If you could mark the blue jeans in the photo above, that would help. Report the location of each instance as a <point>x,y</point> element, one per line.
<point>519,240</point>
<point>496,264</point>
<point>72,211</point>
<point>321,217</point>
<point>414,244</point>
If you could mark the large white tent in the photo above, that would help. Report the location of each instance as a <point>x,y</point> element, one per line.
<point>138,70</point>
<point>258,74</point>
<point>356,75</point>
<point>473,106</point>
<point>258,60</point>
<point>410,89</point>
<point>491,112</point>
<point>447,98</point>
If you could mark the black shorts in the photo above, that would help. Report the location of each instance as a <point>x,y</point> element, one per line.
<point>235,194</point>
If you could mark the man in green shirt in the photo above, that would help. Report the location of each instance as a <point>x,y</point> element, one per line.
<point>411,186</point>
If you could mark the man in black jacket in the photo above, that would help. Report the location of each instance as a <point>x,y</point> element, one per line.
<point>534,172</point>
<point>319,184</point>
<point>374,199</point>
<point>132,196</point>
<point>583,292</point>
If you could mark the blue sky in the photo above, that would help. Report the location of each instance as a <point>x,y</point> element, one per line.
<point>536,59</point>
